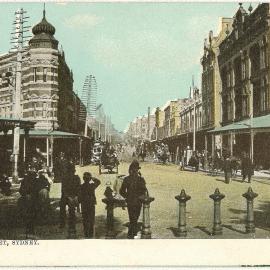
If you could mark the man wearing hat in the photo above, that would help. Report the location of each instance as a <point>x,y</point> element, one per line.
<point>132,188</point>
<point>88,201</point>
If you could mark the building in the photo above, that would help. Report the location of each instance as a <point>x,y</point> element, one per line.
<point>141,128</point>
<point>211,85</point>
<point>192,106</point>
<point>158,131</point>
<point>245,94</point>
<point>46,95</point>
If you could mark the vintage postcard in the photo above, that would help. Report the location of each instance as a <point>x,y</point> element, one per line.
<point>137,133</point>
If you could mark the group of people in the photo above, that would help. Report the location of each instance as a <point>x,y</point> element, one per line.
<point>34,191</point>
<point>247,168</point>
<point>73,194</point>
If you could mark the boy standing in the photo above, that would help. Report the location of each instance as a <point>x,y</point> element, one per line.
<point>88,201</point>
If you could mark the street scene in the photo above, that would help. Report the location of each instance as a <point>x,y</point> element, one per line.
<point>157,130</point>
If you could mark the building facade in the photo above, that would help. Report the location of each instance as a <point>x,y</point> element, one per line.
<point>47,95</point>
<point>211,84</point>
<point>244,69</point>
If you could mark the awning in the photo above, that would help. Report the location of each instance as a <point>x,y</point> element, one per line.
<point>261,124</point>
<point>10,123</point>
<point>40,133</point>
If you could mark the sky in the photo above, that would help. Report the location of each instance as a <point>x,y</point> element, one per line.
<point>142,54</point>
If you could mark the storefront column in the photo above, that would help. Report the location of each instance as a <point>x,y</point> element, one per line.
<point>80,153</point>
<point>213,145</point>
<point>47,151</point>
<point>231,144</point>
<point>52,153</point>
<point>252,135</point>
<point>206,152</point>
<point>16,150</point>
<point>25,142</point>
<point>221,144</point>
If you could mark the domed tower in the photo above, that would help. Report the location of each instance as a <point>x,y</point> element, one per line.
<point>43,35</point>
<point>41,87</point>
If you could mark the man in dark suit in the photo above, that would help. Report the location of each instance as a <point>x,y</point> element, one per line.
<point>63,170</point>
<point>132,188</point>
<point>247,167</point>
<point>87,198</point>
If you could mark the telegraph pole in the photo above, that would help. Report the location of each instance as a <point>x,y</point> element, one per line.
<point>18,39</point>
<point>194,113</point>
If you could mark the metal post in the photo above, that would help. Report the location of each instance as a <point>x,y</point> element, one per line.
<point>86,126</point>
<point>251,144</point>
<point>213,145</point>
<point>194,126</point>
<point>231,143</point>
<point>52,151</point>
<point>24,148</point>
<point>16,150</point>
<point>217,197</point>
<point>47,149</point>
<point>206,153</point>
<point>221,144</point>
<point>146,228</point>
<point>109,201</point>
<point>80,149</point>
<point>250,196</point>
<point>182,198</point>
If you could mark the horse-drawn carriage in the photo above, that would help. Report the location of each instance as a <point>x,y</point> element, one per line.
<point>162,154</point>
<point>108,162</point>
<point>96,153</point>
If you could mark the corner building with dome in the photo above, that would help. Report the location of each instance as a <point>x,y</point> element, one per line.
<point>47,95</point>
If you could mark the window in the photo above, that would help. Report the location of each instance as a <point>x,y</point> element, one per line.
<point>35,74</point>
<point>45,74</point>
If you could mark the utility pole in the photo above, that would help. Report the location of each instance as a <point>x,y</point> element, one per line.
<point>194,113</point>
<point>18,40</point>
<point>148,124</point>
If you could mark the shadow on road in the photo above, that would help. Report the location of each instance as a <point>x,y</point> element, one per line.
<point>204,229</point>
<point>261,216</point>
<point>230,227</point>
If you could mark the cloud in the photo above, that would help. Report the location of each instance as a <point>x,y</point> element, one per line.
<point>145,50</point>
<point>83,21</point>
<point>61,3</point>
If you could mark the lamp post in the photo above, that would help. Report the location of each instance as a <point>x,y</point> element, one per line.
<point>194,119</point>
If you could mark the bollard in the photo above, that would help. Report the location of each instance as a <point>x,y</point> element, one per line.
<point>110,217</point>
<point>146,228</point>
<point>250,196</point>
<point>217,197</point>
<point>109,201</point>
<point>182,198</point>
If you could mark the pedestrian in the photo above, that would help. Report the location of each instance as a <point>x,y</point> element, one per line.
<point>42,189</point>
<point>63,171</point>
<point>70,198</point>
<point>61,168</point>
<point>132,188</point>
<point>88,202</point>
<point>227,166</point>
<point>28,200</point>
<point>247,168</point>
<point>5,185</point>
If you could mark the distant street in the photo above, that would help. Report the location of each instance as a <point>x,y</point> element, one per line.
<point>164,182</point>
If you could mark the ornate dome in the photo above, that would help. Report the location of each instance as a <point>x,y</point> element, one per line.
<point>43,27</point>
